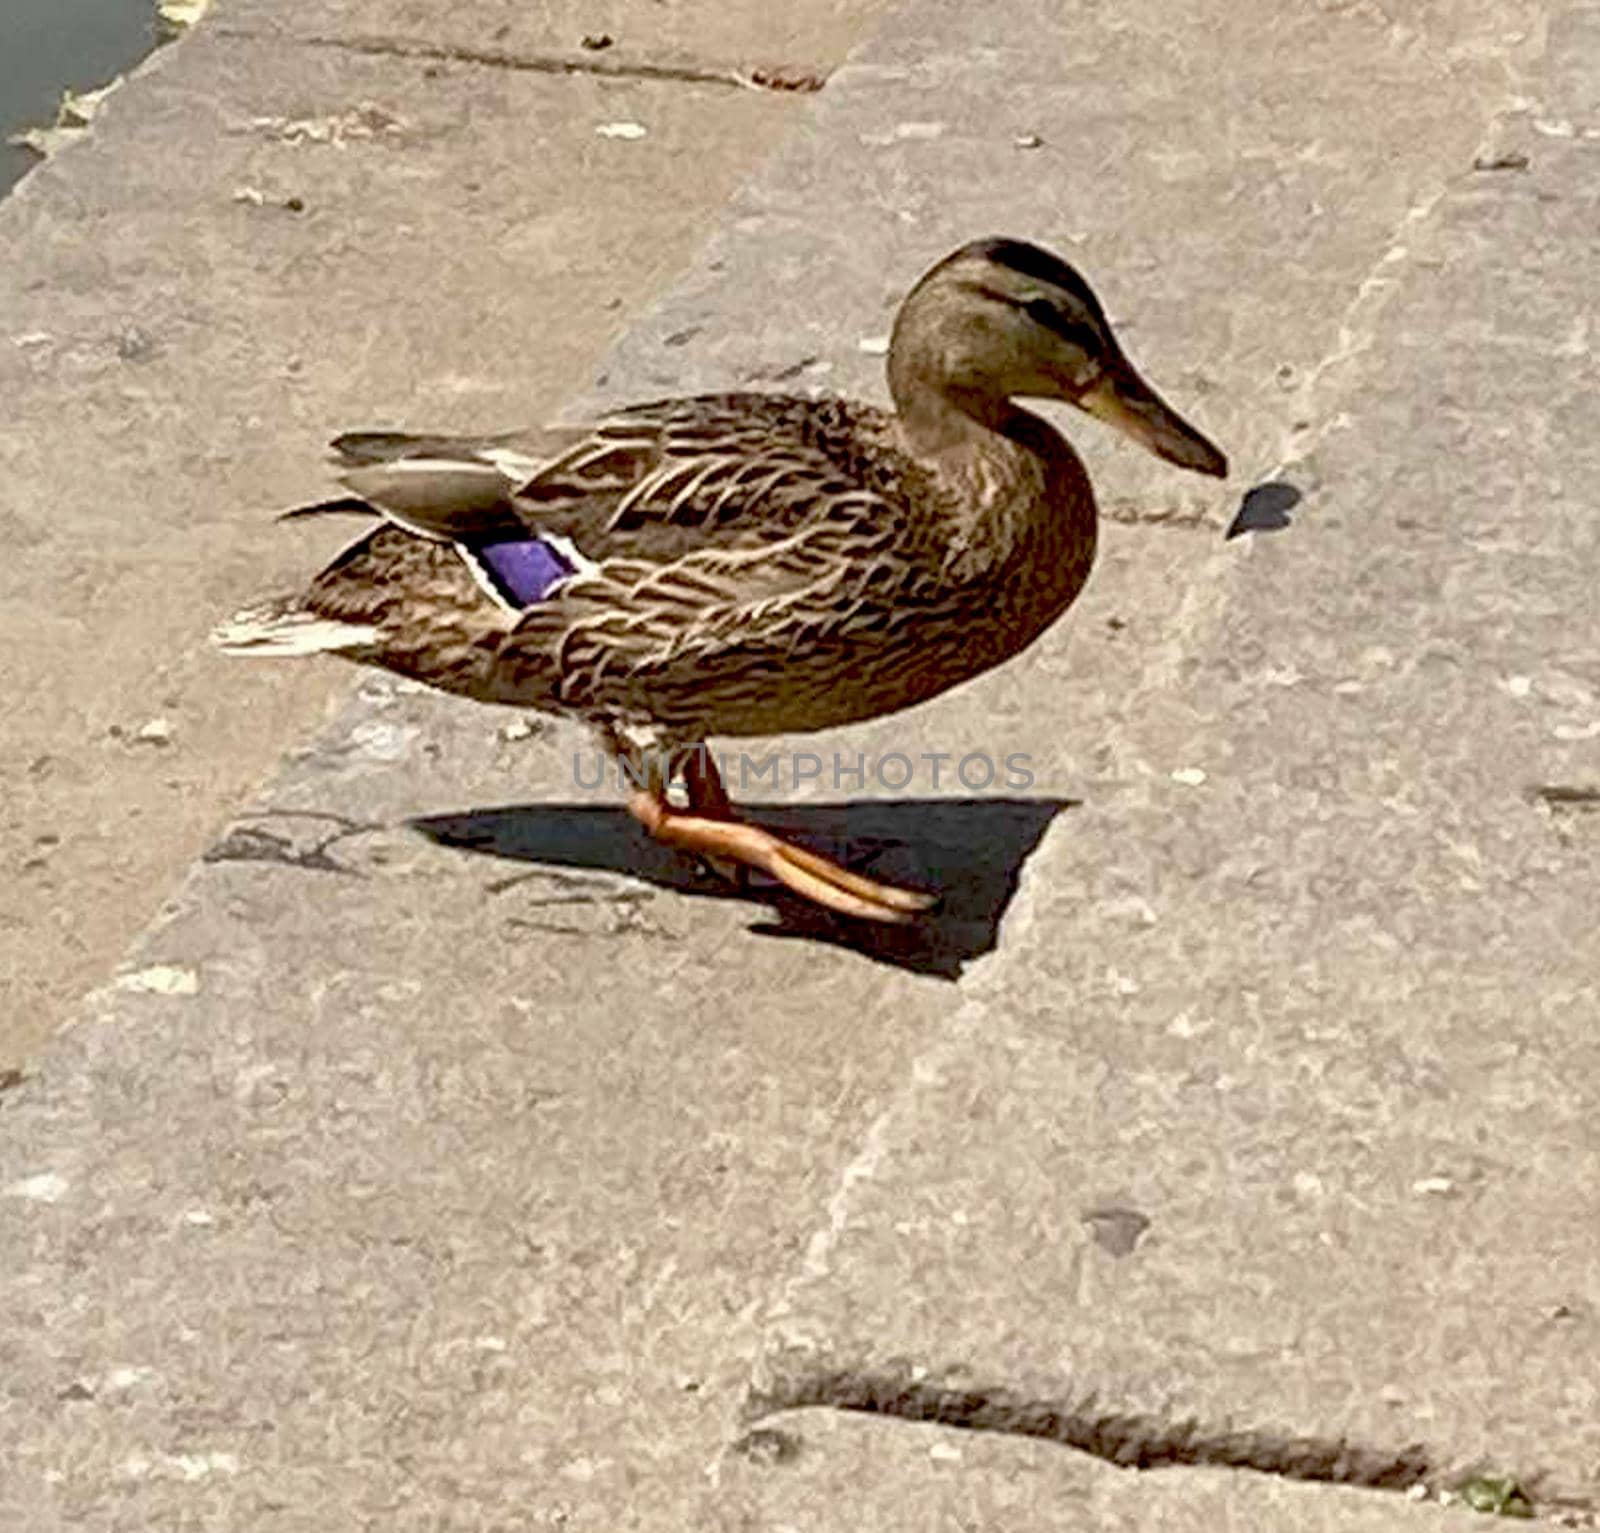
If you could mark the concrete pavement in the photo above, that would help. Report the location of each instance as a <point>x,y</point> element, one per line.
<point>443,1159</point>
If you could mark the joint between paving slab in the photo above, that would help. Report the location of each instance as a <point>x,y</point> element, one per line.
<point>1125,1441</point>
<point>783,79</point>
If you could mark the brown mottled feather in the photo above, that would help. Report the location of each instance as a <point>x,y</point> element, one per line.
<point>765,564</point>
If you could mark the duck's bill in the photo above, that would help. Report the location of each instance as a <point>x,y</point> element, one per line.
<point>1124,400</point>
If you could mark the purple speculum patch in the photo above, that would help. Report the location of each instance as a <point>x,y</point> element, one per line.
<point>525,569</point>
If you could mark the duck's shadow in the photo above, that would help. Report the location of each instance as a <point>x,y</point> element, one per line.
<point>970,850</point>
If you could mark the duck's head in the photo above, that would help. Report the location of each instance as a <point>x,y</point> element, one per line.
<point>1000,319</point>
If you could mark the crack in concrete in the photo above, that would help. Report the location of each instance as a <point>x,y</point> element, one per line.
<point>1126,1439</point>
<point>1567,796</point>
<point>244,842</point>
<point>786,79</point>
<point>1133,513</point>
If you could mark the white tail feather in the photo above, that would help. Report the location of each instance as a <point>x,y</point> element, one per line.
<point>275,631</point>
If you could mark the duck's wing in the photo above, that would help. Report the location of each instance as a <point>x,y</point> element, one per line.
<point>683,511</point>
<point>657,482</point>
<point>707,530</point>
<point>653,481</point>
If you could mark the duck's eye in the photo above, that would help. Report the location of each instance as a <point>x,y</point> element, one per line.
<point>1076,333</point>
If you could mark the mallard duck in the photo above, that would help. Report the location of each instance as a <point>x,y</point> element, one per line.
<point>748,564</point>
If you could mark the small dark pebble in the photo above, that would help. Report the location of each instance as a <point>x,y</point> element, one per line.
<point>595,41</point>
<point>295,204</point>
<point>1512,161</point>
<point>1116,1230</point>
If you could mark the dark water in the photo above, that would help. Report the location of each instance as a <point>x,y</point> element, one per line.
<point>47,46</point>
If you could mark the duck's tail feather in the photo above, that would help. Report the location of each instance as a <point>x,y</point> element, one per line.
<point>284,628</point>
<point>357,449</point>
<point>345,505</point>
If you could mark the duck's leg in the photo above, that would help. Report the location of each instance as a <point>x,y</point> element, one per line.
<point>708,798</point>
<point>711,830</point>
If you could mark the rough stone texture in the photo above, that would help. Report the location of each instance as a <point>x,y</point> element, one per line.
<point>450,1161</point>
<point>177,342</point>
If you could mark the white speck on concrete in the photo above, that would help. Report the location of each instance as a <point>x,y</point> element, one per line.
<point>46,1187</point>
<point>1587,731</point>
<point>161,979</point>
<point>199,1216</point>
<point>903,132</point>
<point>1122,984</point>
<point>945,1453</point>
<point>1433,1186</point>
<point>623,130</point>
<point>125,1376</point>
<point>1190,777</point>
<point>379,741</point>
<point>361,122</point>
<point>156,732</point>
<point>177,1466</point>
<point>1519,686</point>
<point>874,345</point>
<point>196,1466</point>
<point>1307,1184</point>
